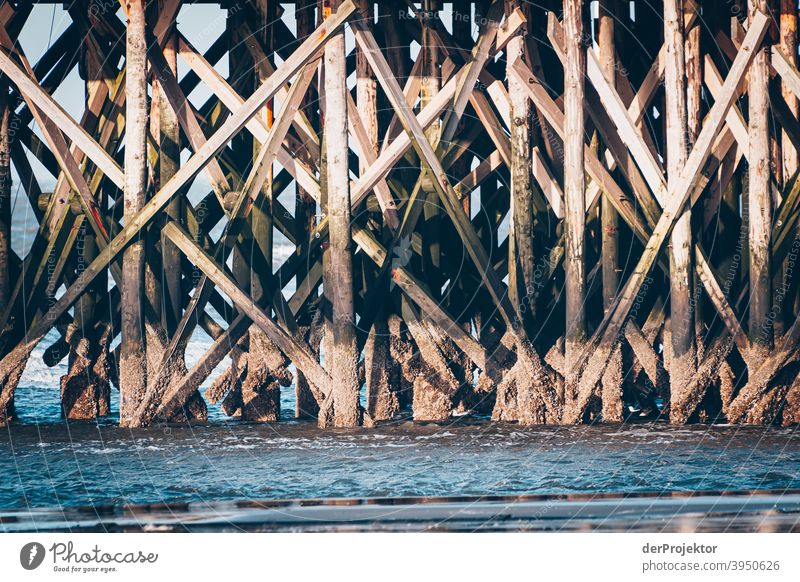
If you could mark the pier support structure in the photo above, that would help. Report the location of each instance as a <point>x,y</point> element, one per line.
<point>493,214</point>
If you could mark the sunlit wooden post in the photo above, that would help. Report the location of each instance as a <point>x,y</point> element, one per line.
<point>759,207</point>
<point>683,348</point>
<point>133,364</point>
<point>343,352</point>
<point>574,186</point>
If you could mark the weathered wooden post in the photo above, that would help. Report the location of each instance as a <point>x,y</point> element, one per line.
<point>242,79</point>
<point>7,406</point>
<point>684,349</point>
<point>168,164</point>
<point>390,15</point>
<point>305,219</point>
<point>611,393</point>
<point>133,362</point>
<point>381,379</point>
<point>462,32</point>
<point>265,364</point>
<point>164,281</point>
<point>521,259</point>
<point>342,357</point>
<point>429,87</point>
<point>790,165</point>
<point>574,190</point>
<point>694,115</point>
<point>759,203</point>
<point>788,44</point>
<point>433,386</point>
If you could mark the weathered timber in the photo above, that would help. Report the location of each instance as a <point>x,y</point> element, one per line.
<point>683,347</point>
<point>574,193</point>
<point>341,353</point>
<point>133,357</point>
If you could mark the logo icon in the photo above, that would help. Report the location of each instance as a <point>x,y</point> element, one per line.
<point>31,555</point>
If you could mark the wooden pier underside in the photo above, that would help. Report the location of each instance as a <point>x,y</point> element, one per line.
<point>544,212</point>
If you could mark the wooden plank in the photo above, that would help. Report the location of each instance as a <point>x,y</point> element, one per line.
<point>734,118</point>
<point>477,175</point>
<point>547,182</point>
<point>788,72</point>
<point>61,119</point>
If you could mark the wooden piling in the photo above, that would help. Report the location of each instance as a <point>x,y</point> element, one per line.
<point>683,347</point>
<point>521,257</point>
<point>611,393</point>
<point>133,362</point>
<point>6,399</point>
<point>342,354</point>
<point>266,366</point>
<point>574,189</point>
<point>381,374</point>
<point>759,211</point>
<point>168,165</point>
